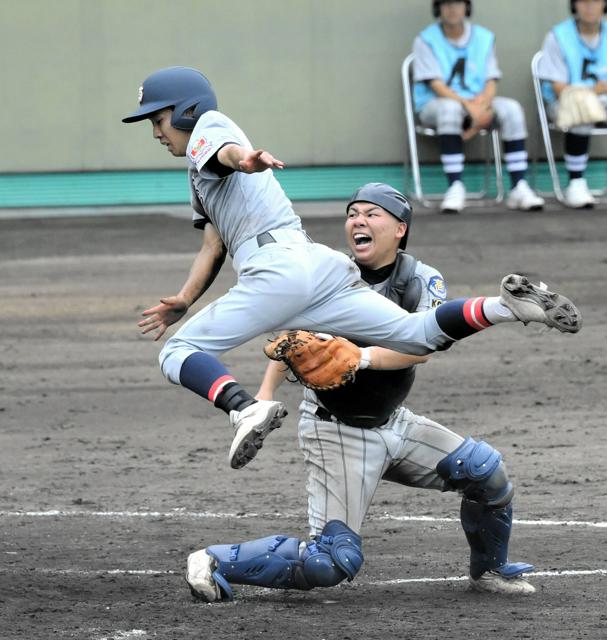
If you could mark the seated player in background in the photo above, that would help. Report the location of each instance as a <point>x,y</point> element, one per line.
<point>574,54</point>
<point>456,75</point>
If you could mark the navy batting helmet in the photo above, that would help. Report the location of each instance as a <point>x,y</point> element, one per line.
<point>437,3</point>
<point>384,196</point>
<point>184,89</point>
<point>572,6</point>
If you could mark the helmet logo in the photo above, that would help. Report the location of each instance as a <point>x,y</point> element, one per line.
<point>140,95</point>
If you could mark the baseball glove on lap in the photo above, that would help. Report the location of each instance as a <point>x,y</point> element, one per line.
<point>319,361</point>
<point>579,105</point>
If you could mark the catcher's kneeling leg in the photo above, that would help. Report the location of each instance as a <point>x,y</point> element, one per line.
<point>281,562</point>
<point>475,469</point>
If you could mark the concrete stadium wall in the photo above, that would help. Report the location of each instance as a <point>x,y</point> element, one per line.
<point>317,82</point>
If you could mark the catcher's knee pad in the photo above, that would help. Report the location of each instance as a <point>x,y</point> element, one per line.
<point>334,555</point>
<point>280,562</point>
<point>476,470</point>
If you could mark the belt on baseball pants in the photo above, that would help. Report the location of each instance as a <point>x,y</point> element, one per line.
<point>278,236</point>
<point>324,415</point>
<point>352,421</point>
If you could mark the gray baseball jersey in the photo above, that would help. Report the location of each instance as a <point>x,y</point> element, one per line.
<point>238,207</point>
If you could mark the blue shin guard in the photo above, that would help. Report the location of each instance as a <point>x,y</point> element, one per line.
<point>281,562</point>
<point>488,533</point>
<point>475,469</point>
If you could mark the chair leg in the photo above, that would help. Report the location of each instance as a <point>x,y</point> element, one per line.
<point>413,162</point>
<point>556,184</point>
<point>497,158</point>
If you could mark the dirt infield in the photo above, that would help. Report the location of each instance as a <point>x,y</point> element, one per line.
<point>110,476</point>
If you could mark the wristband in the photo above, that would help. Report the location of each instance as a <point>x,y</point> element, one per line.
<point>365,358</point>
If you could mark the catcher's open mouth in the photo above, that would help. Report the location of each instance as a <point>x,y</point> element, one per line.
<point>361,239</point>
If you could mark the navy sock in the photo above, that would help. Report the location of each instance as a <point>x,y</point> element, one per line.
<point>515,156</point>
<point>576,154</point>
<point>462,317</point>
<point>206,376</point>
<point>452,156</point>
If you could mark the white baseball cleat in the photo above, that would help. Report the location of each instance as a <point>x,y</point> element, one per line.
<point>578,195</point>
<point>533,303</point>
<point>493,582</point>
<point>455,198</point>
<point>252,425</point>
<point>199,576</point>
<point>524,198</point>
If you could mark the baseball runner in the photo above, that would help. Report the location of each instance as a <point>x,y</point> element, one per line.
<point>574,56</point>
<point>456,75</point>
<point>284,279</point>
<point>355,435</point>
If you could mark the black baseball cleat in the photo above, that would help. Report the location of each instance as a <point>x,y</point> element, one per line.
<point>533,303</point>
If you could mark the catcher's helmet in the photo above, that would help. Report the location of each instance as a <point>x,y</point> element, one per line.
<point>384,196</point>
<point>183,89</point>
<point>572,6</point>
<point>437,3</point>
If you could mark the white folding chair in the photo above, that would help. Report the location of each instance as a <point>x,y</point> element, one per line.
<point>412,158</point>
<point>549,127</point>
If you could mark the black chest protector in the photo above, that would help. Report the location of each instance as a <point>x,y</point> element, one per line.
<point>371,398</point>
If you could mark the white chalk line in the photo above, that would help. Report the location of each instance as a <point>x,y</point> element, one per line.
<point>534,574</point>
<point>575,573</point>
<point>197,515</point>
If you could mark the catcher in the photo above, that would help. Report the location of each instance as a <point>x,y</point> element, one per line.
<point>354,431</point>
<point>574,69</point>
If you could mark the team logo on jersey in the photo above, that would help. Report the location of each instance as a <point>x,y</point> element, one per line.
<point>140,95</point>
<point>200,148</point>
<point>437,287</point>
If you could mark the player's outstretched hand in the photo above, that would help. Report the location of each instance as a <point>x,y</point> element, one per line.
<point>163,315</point>
<point>258,161</point>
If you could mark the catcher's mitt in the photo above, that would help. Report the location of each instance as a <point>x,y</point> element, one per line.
<point>579,105</point>
<point>319,361</point>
